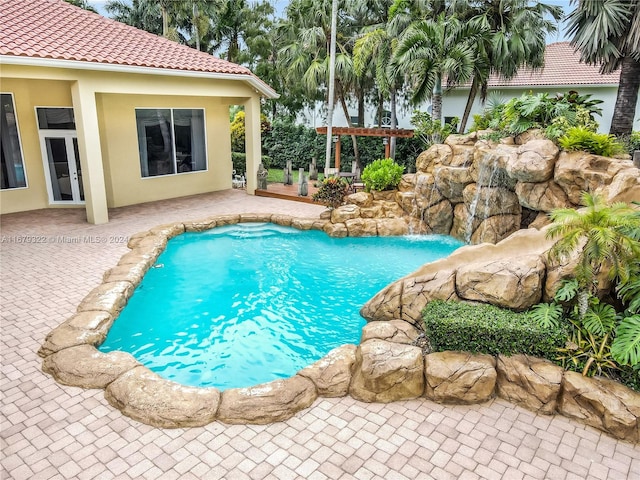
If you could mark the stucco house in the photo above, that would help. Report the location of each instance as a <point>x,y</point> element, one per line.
<point>99,114</point>
<point>562,72</point>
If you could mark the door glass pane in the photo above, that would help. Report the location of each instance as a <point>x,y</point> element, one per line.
<point>11,166</point>
<point>155,142</point>
<point>56,119</point>
<point>76,152</point>
<point>59,169</point>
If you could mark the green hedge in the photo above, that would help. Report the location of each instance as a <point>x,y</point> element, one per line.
<point>239,161</point>
<point>488,329</point>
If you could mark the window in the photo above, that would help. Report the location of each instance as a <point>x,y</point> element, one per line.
<point>11,166</point>
<point>171,141</point>
<point>56,118</point>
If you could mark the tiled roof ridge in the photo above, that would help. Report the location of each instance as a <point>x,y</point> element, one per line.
<point>104,40</point>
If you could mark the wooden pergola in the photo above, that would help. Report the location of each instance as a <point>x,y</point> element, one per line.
<point>365,132</point>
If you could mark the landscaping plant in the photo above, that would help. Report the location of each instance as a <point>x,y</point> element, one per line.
<point>382,174</point>
<point>331,192</point>
<point>601,340</point>
<point>580,138</point>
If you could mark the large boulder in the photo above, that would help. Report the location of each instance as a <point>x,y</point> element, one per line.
<point>336,230</point>
<point>514,283</point>
<point>391,227</point>
<point>268,402</point>
<point>462,155</point>
<point>496,228</point>
<point>542,197</point>
<point>151,399</point>
<point>439,217</point>
<point>108,297</point>
<point>485,202</point>
<point>332,373</point>
<point>603,404</point>
<point>344,213</point>
<point>84,366</point>
<point>85,328</point>
<point>396,331</point>
<point>463,224</point>
<point>534,162</point>
<point>459,377</point>
<point>419,290</point>
<point>451,181</point>
<point>385,305</point>
<point>386,372</point>
<point>361,199</point>
<point>532,383</point>
<point>437,154</point>
<point>490,165</point>
<point>362,227</point>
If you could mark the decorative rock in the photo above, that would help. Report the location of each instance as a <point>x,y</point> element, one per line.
<point>541,221</point>
<point>387,227</point>
<point>132,273</point>
<point>152,243</point>
<point>168,230</point>
<point>459,378</point>
<point>308,223</point>
<point>495,229</point>
<point>535,161</point>
<point>255,217</point>
<point>420,290</point>
<point>468,139</point>
<point>514,283</point>
<point>408,183</point>
<point>149,398</point>
<point>390,209</point>
<point>107,297</point>
<point>529,135</point>
<point>426,190</point>
<point>462,155</point>
<point>437,154</point>
<point>386,372</point>
<point>462,228</point>
<point>361,199</point>
<point>362,227</point>
<point>200,225</point>
<point>489,168</point>
<point>388,195</point>
<point>385,305</point>
<point>439,217</point>
<point>284,220</point>
<point>395,331</point>
<point>544,196</point>
<point>491,201</point>
<point>603,404</point>
<point>266,403</point>
<point>407,201</point>
<point>344,213</point>
<point>336,230</point>
<point>625,186</point>
<point>226,219</point>
<point>82,328</point>
<point>84,366</point>
<point>332,373</point>
<point>532,383</point>
<point>451,181</point>
<point>374,211</point>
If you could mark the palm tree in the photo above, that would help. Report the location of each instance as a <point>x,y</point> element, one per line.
<point>610,234</point>
<point>512,36</point>
<point>432,51</point>
<point>608,33</point>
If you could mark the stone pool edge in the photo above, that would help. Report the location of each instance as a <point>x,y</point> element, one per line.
<point>71,357</point>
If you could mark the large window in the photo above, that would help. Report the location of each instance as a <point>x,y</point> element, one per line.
<point>12,166</point>
<point>171,141</point>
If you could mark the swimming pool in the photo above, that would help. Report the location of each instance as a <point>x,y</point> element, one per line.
<point>244,304</point>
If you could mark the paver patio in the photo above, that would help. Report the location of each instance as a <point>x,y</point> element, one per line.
<point>51,259</point>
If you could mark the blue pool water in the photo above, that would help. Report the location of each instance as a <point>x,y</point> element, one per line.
<point>249,303</point>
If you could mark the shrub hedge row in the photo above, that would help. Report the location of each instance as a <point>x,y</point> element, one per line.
<point>488,329</point>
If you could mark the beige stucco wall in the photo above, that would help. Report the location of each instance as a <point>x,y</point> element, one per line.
<point>28,94</point>
<point>123,178</point>
<point>116,95</point>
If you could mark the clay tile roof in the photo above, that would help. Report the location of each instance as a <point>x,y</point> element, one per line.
<point>57,30</point>
<point>561,67</point>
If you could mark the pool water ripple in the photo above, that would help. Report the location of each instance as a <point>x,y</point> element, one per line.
<point>249,303</point>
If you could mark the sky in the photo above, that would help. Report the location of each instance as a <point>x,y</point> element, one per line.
<point>279,6</point>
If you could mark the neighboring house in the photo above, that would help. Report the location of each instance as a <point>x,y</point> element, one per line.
<point>98,113</point>
<point>562,72</point>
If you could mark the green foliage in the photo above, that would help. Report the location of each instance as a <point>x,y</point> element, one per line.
<point>630,142</point>
<point>488,329</point>
<point>239,161</point>
<point>626,345</point>
<point>238,130</point>
<point>382,174</point>
<point>331,192</point>
<point>567,291</point>
<point>430,131</point>
<point>547,315</point>
<point>580,138</point>
<point>298,143</point>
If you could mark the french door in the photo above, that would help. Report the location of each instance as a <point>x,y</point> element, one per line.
<point>62,166</point>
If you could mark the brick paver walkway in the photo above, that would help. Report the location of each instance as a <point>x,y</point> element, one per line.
<point>52,431</point>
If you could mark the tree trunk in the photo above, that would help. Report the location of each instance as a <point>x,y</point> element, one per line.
<point>196,31</point>
<point>360,107</point>
<point>467,109</point>
<point>625,109</point>
<point>354,140</point>
<point>436,108</point>
<point>394,122</point>
<point>165,21</point>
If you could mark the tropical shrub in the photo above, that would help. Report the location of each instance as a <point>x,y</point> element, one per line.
<point>601,340</point>
<point>580,138</point>
<point>238,130</point>
<point>631,142</point>
<point>429,131</point>
<point>488,329</point>
<point>382,174</point>
<point>331,192</point>
<point>239,161</point>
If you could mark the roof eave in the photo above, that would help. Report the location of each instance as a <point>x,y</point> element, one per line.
<point>258,85</point>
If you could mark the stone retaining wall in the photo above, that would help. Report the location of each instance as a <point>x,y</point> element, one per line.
<point>385,367</point>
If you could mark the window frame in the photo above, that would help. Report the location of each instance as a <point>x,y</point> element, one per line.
<point>173,143</point>
<point>24,164</point>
